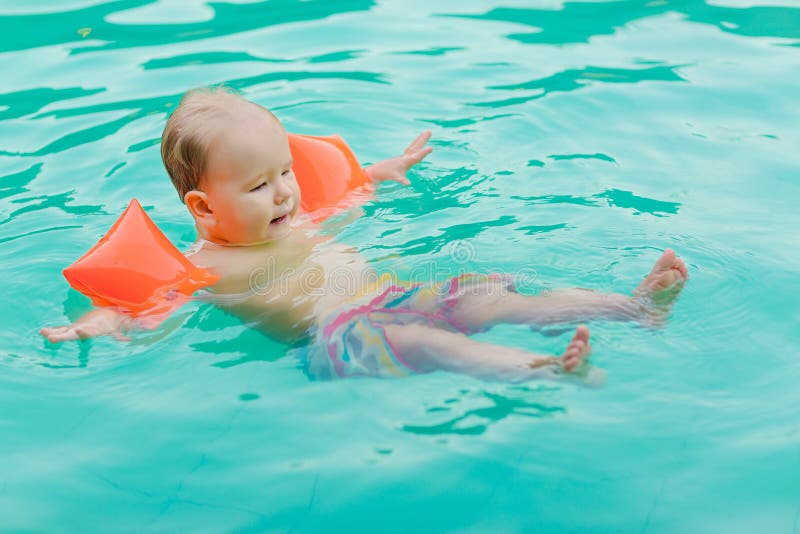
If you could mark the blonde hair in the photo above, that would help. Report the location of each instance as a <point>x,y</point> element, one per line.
<point>189,132</point>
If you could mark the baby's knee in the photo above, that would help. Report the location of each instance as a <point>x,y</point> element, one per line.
<point>404,337</point>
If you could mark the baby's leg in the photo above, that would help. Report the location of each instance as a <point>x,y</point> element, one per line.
<point>430,349</point>
<point>650,302</point>
<point>477,312</point>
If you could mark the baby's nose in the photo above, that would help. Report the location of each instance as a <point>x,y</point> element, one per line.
<point>282,194</point>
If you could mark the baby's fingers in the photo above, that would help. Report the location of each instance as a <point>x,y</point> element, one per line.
<point>119,336</point>
<point>59,334</point>
<point>412,158</point>
<point>399,178</point>
<point>419,142</point>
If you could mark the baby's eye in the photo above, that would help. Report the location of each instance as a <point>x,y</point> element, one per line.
<point>286,172</point>
<point>259,186</point>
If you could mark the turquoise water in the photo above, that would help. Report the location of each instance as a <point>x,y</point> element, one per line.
<point>573,140</point>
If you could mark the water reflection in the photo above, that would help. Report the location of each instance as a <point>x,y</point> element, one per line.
<point>611,197</point>
<point>14,184</point>
<point>432,244</point>
<point>523,401</point>
<point>40,231</point>
<point>599,155</point>
<point>139,108</point>
<point>21,103</point>
<point>58,201</point>
<point>93,23</point>
<point>573,79</point>
<point>222,334</point>
<point>578,22</point>
<point>459,188</point>
<point>467,121</point>
<point>434,51</point>
<point>640,204</point>
<point>331,57</point>
<point>213,58</point>
<point>205,58</point>
<point>542,229</point>
<point>247,347</point>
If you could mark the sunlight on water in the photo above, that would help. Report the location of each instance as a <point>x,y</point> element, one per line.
<point>573,141</point>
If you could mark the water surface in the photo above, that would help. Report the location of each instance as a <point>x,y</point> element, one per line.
<point>573,140</point>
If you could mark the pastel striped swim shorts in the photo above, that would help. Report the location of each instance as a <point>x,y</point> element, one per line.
<point>351,341</point>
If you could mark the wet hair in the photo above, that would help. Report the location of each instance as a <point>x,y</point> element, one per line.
<point>189,132</point>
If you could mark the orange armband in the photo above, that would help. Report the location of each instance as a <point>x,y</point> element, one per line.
<point>134,267</point>
<point>327,171</point>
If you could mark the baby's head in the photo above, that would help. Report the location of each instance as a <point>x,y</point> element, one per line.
<point>229,159</point>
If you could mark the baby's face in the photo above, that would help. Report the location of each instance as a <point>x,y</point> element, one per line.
<point>249,183</point>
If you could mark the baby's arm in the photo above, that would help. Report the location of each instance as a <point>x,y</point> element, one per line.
<point>395,169</point>
<point>98,322</point>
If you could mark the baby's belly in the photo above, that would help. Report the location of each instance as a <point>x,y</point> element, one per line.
<point>288,306</point>
<point>348,277</point>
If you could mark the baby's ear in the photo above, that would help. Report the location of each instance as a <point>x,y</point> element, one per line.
<point>197,202</point>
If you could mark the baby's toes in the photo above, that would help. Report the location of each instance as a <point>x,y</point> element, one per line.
<point>577,345</point>
<point>683,269</point>
<point>571,360</point>
<point>572,356</point>
<point>680,266</point>
<point>668,279</point>
<point>57,334</point>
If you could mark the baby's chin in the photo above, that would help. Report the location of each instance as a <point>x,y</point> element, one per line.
<point>279,228</point>
<point>275,233</point>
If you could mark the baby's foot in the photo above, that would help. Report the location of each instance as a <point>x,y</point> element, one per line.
<point>577,350</point>
<point>663,285</point>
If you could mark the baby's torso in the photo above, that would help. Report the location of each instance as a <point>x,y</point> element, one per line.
<point>282,287</point>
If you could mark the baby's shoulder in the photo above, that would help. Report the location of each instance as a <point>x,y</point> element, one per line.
<point>229,263</point>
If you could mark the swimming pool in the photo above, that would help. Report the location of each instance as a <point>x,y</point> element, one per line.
<point>573,140</point>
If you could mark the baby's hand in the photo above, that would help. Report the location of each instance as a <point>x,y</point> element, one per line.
<point>395,169</point>
<point>99,322</point>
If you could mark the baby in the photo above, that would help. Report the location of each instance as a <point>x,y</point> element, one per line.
<point>229,159</point>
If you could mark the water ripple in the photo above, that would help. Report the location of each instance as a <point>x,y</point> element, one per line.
<point>525,402</point>
<point>613,198</point>
<point>205,58</point>
<point>435,51</point>
<point>574,79</point>
<point>163,104</point>
<point>433,244</point>
<point>70,26</point>
<point>14,184</point>
<point>578,22</point>
<point>582,188</point>
<point>40,231</point>
<point>59,201</point>
<point>21,103</point>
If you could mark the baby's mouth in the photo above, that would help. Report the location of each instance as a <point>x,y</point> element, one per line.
<point>279,220</point>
